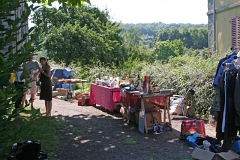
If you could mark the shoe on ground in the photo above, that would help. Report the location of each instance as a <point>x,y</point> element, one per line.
<point>156,132</point>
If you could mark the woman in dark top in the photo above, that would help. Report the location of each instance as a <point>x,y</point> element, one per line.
<point>46,85</point>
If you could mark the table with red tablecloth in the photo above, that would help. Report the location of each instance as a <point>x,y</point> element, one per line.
<point>104,96</point>
<point>132,100</point>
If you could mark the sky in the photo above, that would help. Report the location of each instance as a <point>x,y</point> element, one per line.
<point>147,11</point>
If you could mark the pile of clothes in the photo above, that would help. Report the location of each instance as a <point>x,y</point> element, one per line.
<point>209,143</point>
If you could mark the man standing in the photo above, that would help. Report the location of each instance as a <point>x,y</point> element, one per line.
<point>33,71</point>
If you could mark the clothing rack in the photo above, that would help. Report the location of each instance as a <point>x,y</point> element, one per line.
<point>227,139</point>
<point>226,87</point>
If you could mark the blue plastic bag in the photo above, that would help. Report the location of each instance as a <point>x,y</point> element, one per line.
<point>67,72</point>
<point>236,146</point>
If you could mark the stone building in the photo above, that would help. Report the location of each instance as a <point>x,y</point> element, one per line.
<point>223,25</point>
<point>19,35</point>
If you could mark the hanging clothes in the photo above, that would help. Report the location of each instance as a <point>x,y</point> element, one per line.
<point>222,68</point>
<point>237,101</point>
<point>226,128</point>
<point>218,67</point>
<point>215,108</point>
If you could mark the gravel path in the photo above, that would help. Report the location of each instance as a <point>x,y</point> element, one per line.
<point>90,133</point>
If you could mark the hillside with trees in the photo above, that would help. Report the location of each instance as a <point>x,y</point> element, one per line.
<point>151,29</point>
<point>194,36</point>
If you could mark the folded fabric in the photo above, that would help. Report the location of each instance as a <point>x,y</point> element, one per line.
<point>193,138</point>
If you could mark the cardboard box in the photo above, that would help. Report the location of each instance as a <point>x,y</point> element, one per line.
<point>201,154</point>
<point>150,119</point>
<point>54,93</point>
<point>149,107</point>
<point>62,91</point>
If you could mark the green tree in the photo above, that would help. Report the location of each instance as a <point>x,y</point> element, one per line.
<point>84,35</point>
<point>13,53</point>
<point>166,49</point>
<point>133,37</point>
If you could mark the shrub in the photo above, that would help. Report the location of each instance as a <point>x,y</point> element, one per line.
<point>179,73</point>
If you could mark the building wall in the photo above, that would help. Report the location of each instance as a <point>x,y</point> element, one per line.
<point>219,14</point>
<point>223,29</point>
<point>223,3</point>
<point>19,35</point>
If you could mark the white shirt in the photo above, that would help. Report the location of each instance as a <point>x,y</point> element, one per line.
<point>18,76</point>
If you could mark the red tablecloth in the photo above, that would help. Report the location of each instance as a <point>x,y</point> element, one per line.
<point>132,100</point>
<point>104,96</point>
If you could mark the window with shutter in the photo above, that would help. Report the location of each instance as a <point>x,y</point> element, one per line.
<point>235,31</point>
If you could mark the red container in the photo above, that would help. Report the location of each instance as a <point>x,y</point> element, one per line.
<point>188,127</point>
<point>80,102</point>
<point>87,102</point>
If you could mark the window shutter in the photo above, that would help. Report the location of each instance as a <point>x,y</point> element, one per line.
<point>235,31</point>
<point>238,31</point>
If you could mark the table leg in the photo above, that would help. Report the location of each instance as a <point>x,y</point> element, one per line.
<point>82,87</point>
<point>145,123</point>
<point>165,107</point>
<point>168,112</point>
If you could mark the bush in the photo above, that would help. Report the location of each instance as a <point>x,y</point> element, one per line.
<point>179,73</point>
<point>184,71</point>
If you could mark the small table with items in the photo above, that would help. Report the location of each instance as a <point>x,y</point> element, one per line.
<point>104,96</point>
<point>147,108</point>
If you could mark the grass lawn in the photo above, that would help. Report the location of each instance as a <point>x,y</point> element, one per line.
<point>33,126</point>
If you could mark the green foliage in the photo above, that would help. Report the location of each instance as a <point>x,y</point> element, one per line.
<point>132,37</point>
<point>14,50</point>
<point>82,35</point>
<point>179,73</point>
<point>68,2</point>
<point>196,38</point>
<point>193,36</point>
<point>13,53</point>
<point>166,49</point>
<point>151,29</point>
<point>33,126</point>
<point>184,71</point>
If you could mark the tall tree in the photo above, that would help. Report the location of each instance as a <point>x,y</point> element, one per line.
<point>84,35</point>
<point>133,37</point>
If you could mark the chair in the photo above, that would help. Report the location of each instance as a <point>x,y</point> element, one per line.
<point>181,99</point>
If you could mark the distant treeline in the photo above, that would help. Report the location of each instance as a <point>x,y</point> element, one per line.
<point>152,28</point>
<point>192,35</point>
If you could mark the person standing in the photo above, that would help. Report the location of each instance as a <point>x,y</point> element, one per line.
<point>19,83</point>
<point>33,71</point>
<point>46,85</point>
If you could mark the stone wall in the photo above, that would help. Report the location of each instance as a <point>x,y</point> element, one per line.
<point>211,28</point>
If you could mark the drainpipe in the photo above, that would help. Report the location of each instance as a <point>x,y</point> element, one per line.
<point>214,25</point>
